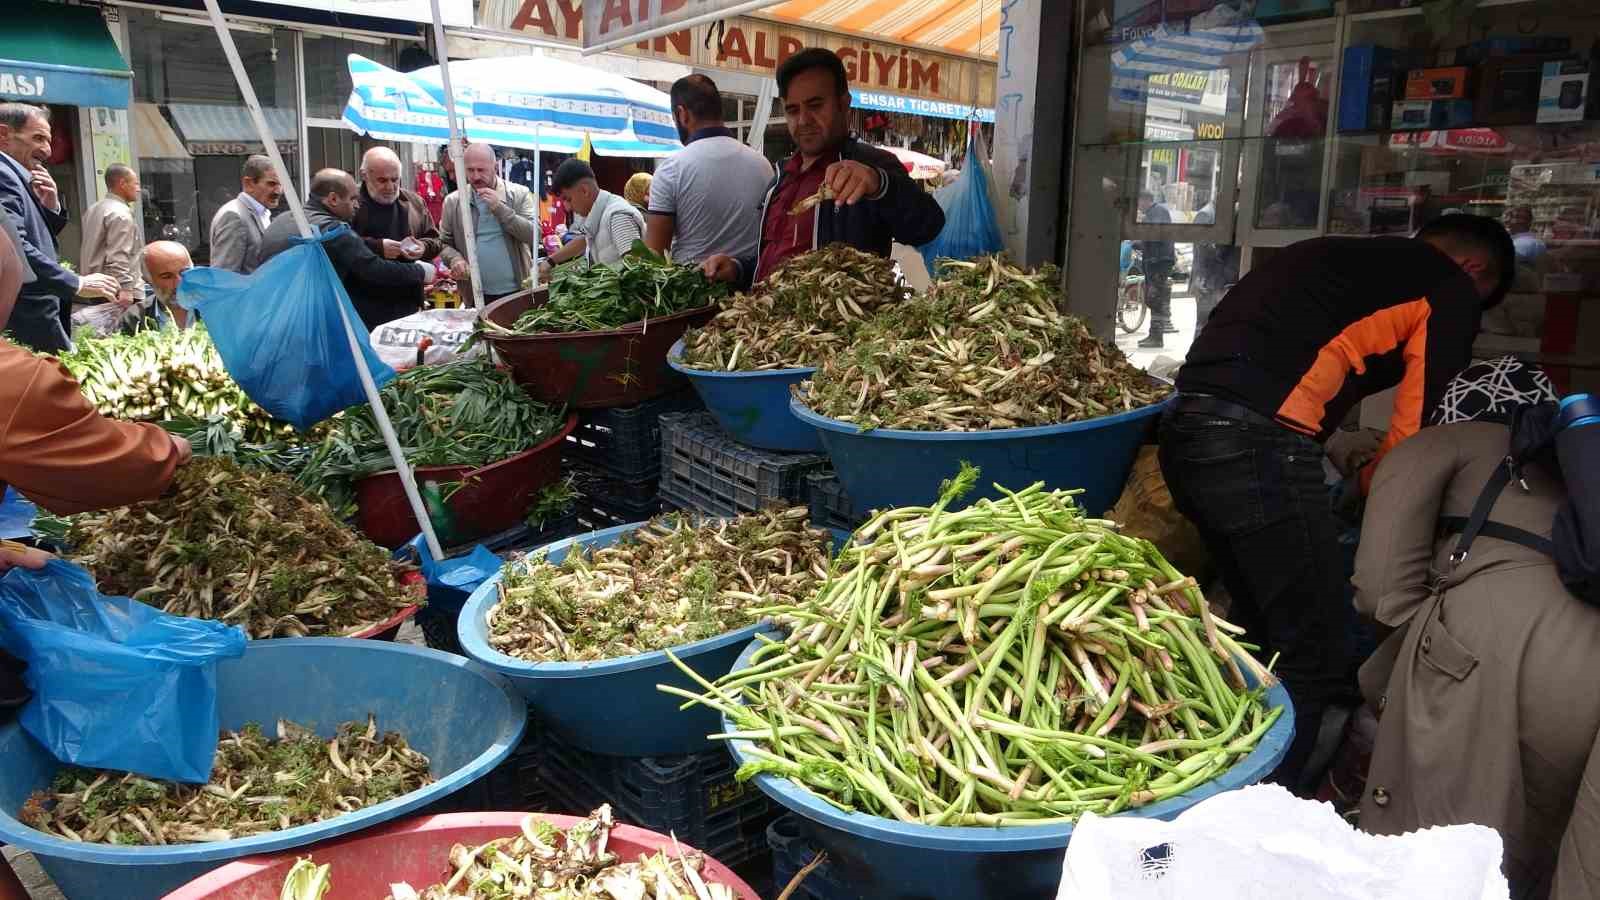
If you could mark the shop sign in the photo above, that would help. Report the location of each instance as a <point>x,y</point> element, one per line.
<point>1180,87</point>
<point>49,83</point>
<point>917,106</point>
<point>622,21</point>
<point>235,148</point>
<point>758,46</point>
<point>451,12</point>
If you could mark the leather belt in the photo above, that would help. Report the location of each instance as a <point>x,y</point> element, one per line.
<point>1207,405</point>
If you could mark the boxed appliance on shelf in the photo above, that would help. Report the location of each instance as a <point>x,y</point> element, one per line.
<point>1508,90</point>
<point>1518,45</point>
<point>1367,89</point>
<point>1414,115</point>
<point>1448,83</point>
<point>1564,91</point>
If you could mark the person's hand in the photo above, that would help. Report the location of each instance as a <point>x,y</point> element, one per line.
<point>545,267</point>
<point>124,298</point>
<point>44,187</point>
<point>489,196</point>
<point>459,269</point>
<point>99,284</point>
<point>412,248</point>
<point>429,273</point>
<point>720,267</point>
<point>850,181</point>
<point>392,249</point>
<point>185,450</point>
<point>1350,450</point>
<point>22,556</point>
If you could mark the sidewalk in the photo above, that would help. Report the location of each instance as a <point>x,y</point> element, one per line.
<point>1176,345</point>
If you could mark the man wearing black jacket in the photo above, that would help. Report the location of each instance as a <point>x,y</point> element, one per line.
<point>382,290</point>
<point>874,204</point>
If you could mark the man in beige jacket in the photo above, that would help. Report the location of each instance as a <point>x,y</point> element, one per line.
<point>111,244</point>
<point>505,222</point>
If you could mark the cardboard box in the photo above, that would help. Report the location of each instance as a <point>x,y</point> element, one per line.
<point>1564,91</point>
<point>1448,83</point>
<point>1417,115</point>
<point>1366,88</point>
<point>1508,90</point>
<point>1521,45</point>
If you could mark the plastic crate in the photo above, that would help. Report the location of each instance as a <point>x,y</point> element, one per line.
<point>791,851</point>
<point>830,508</point>
<point>513,786</point>
<point>625,442</point>
<point>705,470</point>
<point>694,797</point>
<point>438,619</point>
<point>607,501</point>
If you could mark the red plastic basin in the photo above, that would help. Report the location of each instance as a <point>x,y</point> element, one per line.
<point>493,498</point>
<point>591,369</point>
<point>415,851</point>
<point>389,628</point>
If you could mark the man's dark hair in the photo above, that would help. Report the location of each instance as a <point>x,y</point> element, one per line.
<point>1147,195</point>
<point>116,173</point>
<point>16,115</point>
<point>330,181</point>
<point>699,95</point>
<point>1482,235</point>
<point>256,167</point>
<point>813,58</point>
<point>569,173</point>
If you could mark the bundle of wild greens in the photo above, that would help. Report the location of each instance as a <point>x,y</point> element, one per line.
<point>466,412</point>
<point>676,580</point>
<point>985,348</point>
<point>805,312</point>
<point>642,286</point>
<point>258,784</point>
<point>246,547</point>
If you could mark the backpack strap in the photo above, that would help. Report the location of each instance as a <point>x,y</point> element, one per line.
<point>1458,524</point>
<point>1479,517</point>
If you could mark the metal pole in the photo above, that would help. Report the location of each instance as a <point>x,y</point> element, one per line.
<point>538,219</point>
<point>458,156</point>
<point>407,480</point>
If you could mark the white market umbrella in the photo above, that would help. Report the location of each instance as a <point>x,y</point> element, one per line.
<point>920,166</point>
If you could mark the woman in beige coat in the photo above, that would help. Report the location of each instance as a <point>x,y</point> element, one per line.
<point>1486,690</point>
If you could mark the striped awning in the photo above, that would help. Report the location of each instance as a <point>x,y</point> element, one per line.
<point>960,26</point>
<point>213,130</point>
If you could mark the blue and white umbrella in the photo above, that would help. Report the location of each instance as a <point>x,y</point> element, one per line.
<point>529,102</point>
<point>1172,49</point>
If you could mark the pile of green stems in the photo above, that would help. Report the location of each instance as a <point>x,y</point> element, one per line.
<point>1013,663</point>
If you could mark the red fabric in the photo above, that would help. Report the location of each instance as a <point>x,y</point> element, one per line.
<point>430,187</point>
<point>783,235</point>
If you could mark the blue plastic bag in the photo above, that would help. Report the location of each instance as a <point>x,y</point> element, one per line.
<point>452,581</point>
<point>117,684</point>
<point>16,514</point>
<point>970,225</point>
<point>279,333</point>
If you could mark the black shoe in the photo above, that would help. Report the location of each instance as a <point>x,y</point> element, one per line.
<point>1153,342</point>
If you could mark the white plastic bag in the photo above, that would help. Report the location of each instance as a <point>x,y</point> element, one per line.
<point>105,318</point>
<point>396,342</point>
<point>1264,842</point>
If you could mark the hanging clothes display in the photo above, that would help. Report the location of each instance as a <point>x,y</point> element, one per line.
<point>430,187</point>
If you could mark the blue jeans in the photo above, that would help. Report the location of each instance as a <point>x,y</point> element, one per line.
<point>1257,494</point>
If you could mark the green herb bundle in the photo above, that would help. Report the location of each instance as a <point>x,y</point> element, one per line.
<point>600,298</point>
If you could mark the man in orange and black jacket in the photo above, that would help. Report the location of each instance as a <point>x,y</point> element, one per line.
<point>1287,354</point>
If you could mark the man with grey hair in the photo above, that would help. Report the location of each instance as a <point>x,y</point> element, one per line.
<point>110,243</point>
<point>393,222</point>
<point>42,315</point>
<point>382,290</point>
<point>240,224</point>
<point>505,224</point>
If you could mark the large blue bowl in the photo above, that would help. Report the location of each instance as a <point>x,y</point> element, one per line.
<point>608,706</point>
<point>884,859</point>
<point>891,467</point>
<point>753,407</point>
<point>465,719</point>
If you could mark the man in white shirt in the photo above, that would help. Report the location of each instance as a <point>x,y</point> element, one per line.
<point>238,227</point>
<point>607,225</point>
<point>706,197</point>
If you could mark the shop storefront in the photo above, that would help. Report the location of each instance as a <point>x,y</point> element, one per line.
<point>63,58</point>
<point>1367,122</point>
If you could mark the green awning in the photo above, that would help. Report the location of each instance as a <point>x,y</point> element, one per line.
<point>38,39</point>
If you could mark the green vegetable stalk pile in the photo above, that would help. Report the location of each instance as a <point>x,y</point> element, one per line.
<point>246,547</point>
<point>258,785</point>
<point>161,374</point>
<point>673,581</point>
<point>801,315</point>
<point>465,412</point>
<point>985,348</point>
<point>600,298</point>
<point>1012,663</point>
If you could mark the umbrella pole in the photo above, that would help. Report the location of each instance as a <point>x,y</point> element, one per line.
<point>390,440</point>
<point>538,219</point>
<point>458,159</point>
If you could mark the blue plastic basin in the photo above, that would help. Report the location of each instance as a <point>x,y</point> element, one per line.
<point>608,706</point>
<point>885,859</point>
<point>891,467</point>
<point>753,407</point>
<point>465,719</point>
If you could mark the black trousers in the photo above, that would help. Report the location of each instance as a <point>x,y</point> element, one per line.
<point>1256,492</point>
<point>1158,293</point>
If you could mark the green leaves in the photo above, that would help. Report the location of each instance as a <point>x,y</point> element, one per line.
<point>599,298</point>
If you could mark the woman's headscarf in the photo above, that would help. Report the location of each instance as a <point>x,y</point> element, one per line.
<point>1489,391</point>
<point>637,190</point>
